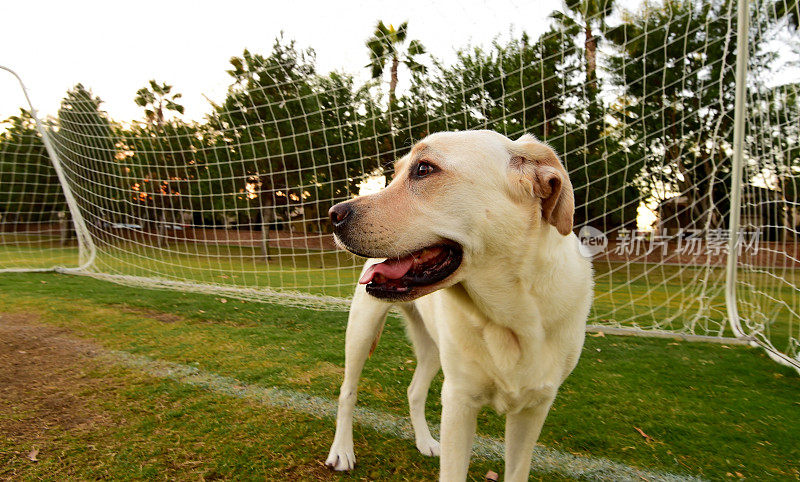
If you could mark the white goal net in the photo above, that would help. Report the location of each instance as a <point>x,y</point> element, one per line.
<point>638,99</point>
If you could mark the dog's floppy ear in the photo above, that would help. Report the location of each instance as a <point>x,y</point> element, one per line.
<point>537,171</point>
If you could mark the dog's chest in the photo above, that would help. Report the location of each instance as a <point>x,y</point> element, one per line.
<point>514,368</point>
<point>526,382</point>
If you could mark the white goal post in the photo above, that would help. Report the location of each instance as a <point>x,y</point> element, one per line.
<point>678,121</point>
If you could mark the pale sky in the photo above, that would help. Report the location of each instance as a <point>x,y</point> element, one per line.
<point>115,47</point>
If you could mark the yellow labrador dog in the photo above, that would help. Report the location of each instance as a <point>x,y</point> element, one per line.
<point>476,245</point>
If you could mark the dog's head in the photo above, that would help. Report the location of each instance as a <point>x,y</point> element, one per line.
<point>454,198</point>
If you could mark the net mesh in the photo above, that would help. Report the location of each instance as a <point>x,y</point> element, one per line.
<point>767,288</point>
<point>35,224</point>
<point>638,102</point>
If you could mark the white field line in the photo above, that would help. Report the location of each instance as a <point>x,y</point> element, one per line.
<point>545,460</point>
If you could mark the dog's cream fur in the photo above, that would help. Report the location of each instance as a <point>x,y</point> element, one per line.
<point>508,326</point>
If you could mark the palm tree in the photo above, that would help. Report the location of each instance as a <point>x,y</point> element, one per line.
<point>590,14</point>
<point>155,99</point>
<point>386,45</point>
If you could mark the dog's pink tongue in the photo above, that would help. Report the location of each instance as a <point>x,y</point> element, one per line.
<point>390,269</point>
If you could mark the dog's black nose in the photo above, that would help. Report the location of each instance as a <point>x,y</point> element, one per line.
<point>339,214</point>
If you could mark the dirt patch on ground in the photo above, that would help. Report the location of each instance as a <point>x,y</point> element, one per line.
<point>44,374</point>
<point>308,471</point>
<point>60,411</point>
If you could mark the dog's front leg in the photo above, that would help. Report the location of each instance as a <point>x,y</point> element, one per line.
<point>367,316</point>
<point>459,418</point>
<point>522,432</point>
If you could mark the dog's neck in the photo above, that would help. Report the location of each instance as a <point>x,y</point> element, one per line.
<point>537,278</point>
<point>531,273</point>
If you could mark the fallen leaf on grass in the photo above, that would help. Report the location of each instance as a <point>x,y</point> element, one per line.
<point>492,476</point>
<point>646,437</point>
<point>599,334</point>
<point>32,455</point>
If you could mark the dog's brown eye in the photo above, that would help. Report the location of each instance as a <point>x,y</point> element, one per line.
<point>423,168</point>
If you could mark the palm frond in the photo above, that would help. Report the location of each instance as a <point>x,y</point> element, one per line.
<point>402,31</point>
<point>415,66</point>
<point>415,48</point>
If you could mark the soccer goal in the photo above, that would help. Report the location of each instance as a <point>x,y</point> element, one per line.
<point>678,121</point>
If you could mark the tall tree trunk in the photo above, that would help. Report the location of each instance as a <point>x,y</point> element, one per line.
<point>266,217</point>
<point>266,200</point>
<point>161,231</point>
<point>595,111</point>
<point>783,207</point>
<point>591,59</point>
<point>63,224</point>
<point>392,88</point>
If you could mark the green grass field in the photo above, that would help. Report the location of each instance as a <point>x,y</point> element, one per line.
<point>668,297</point>
<point>711,411</point>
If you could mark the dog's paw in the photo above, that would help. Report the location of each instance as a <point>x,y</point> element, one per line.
<point>429,447</point>
<point>341,460</point>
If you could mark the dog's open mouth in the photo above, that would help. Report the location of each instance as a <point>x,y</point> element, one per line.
<point>399,277</point>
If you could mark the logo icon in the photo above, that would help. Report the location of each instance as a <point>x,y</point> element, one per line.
<point>592,241</point>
